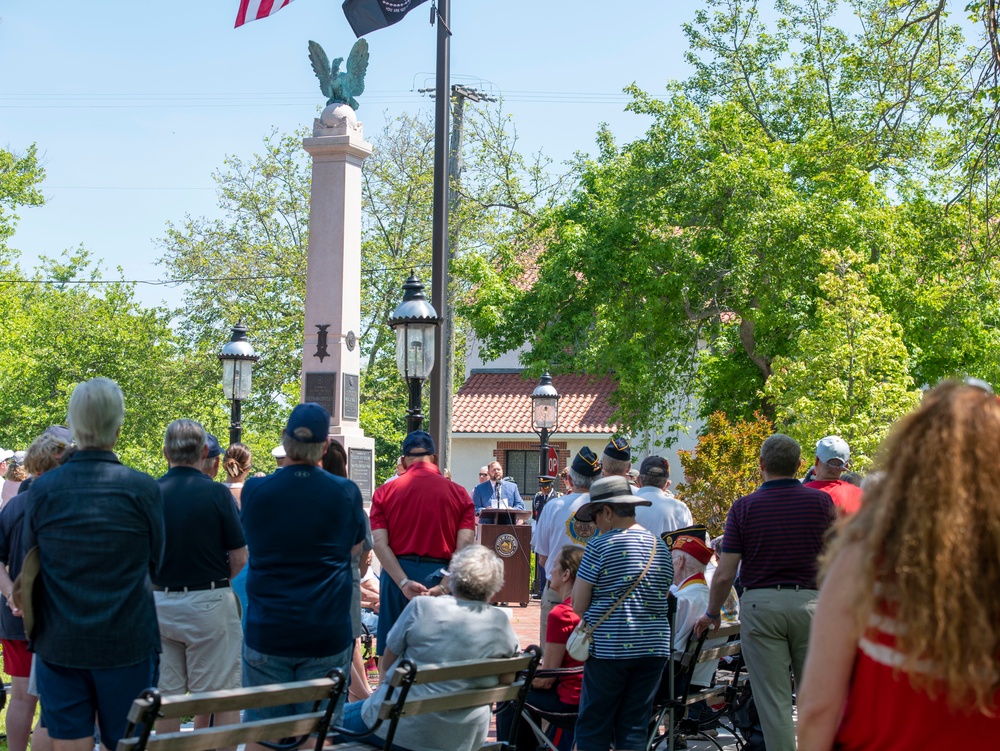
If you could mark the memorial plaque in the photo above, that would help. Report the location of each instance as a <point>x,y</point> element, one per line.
<point>349,406</point>
<point>359,468</point>
<point>322,389</point>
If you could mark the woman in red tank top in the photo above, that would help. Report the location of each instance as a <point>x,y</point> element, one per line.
<point>905,643</point>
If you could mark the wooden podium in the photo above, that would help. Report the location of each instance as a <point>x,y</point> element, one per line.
<point>512,543</point>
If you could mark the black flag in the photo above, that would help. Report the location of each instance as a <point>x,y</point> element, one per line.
<point>371,15</point>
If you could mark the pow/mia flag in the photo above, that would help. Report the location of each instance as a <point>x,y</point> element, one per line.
<point>366,16</point>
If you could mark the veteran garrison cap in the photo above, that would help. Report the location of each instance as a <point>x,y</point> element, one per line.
<point>586,463</point>
<point>618,448</point>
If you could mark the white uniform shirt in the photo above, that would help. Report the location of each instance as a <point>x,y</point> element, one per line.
<point>557,528</point>
<point>665,515</point>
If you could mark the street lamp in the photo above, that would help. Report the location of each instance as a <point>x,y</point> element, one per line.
<point>237,361</point>
<point>544,417</point>
<point>414,321</point>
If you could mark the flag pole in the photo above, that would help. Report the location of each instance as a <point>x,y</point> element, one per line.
<point>439,232</point>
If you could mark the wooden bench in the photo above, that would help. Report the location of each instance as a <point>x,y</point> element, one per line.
<point>513,674</point>
<point>151,706</point>
<point>724,686</point>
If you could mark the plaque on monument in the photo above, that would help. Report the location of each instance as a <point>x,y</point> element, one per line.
<point>349,406</point>
<point>322,389</point>
<point>359,468</point>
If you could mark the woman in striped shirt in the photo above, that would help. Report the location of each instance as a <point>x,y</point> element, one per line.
<point>630,647</point>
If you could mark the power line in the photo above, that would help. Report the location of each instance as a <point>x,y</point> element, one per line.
<point>188,280</point>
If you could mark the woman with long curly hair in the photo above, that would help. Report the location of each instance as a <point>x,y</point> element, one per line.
<point>907,628</point>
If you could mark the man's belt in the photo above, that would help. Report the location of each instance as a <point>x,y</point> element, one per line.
<point>779,587</point>
<point>218,584</point>
<point>423,559</point>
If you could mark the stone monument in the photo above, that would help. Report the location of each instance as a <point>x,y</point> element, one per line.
<point>331,359</point>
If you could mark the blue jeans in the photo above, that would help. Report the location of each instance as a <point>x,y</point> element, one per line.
<point>353,722</point>
<point>616,702</point>
<point>261,669</point>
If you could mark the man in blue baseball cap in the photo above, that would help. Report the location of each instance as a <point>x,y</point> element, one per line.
<point>302,526</point>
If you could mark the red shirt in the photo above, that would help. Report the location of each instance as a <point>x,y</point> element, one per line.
<point>422,511</point>
<point>846,497</point>
<point>562,621</point>
<point>884,712</point>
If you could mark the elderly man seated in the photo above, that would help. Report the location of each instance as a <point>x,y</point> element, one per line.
<point>691,555</point>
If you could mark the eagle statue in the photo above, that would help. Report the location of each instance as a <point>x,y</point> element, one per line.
<point>341,87</point>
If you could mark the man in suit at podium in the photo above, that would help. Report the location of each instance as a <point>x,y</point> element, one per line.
<point>496,492</point>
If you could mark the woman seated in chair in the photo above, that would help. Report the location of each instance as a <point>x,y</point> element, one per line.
<point>453,627</point>
<point>551,694</point>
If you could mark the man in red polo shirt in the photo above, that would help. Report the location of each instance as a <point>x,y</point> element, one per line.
<point>833,456</point>
<point>418,523</point>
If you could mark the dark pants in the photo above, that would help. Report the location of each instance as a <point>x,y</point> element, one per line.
<point>546,700</point>
<point>391,599</point>
<point>616,703</point>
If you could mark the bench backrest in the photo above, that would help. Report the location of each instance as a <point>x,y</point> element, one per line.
<point>513,675</point>
<point>696,653</point>
<point>151,706</point>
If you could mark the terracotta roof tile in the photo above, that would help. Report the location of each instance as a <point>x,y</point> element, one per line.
<point>501,403</point>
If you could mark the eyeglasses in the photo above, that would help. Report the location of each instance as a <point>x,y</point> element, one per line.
<point>482,474</point>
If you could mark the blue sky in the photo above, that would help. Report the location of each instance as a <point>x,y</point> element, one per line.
<point>134,104</point>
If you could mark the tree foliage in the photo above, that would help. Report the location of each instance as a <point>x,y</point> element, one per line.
<point>722,467</point>
<point>249,263</point>
<point>61,334</point>
<point>20,176</point>
<point>687,262</point>
<point>849,371</point>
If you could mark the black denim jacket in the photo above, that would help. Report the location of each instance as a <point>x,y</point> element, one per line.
<point>99,530</point>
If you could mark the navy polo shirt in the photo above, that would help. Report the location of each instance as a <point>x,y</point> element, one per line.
<point>300,525</point>
<point>779,531</point>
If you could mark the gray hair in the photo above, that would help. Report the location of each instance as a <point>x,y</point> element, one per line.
<point>96,413</point>
<point>184,443</point>
<point>580,481</point>
<point>692,562</point>
<point>476,573</point>
<point>612,466</point>
<point>780,455</point>
<point>297,451</point>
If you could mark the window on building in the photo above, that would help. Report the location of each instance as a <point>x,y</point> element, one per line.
<point>523,467</point>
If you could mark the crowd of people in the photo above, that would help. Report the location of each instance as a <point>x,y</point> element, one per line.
<point>114,581</point>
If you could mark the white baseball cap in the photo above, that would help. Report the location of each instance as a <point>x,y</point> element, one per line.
<point>278,452</point>
<point>5,454</point>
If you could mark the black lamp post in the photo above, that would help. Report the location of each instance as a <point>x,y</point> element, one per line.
<point>544,417</point>
<point>414,321</point>
<point>237,359</point>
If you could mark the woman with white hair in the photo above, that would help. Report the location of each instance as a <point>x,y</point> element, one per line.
<point>461,625</point>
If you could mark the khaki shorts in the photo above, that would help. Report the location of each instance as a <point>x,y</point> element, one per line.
<point>202,641</point>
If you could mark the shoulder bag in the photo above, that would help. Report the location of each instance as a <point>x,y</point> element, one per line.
<point>578,644</point>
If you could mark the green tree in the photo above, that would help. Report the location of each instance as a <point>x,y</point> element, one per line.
<point>69,331</point>
<point>20,176</point>
<point>687,261</point>
<point>849,372</point>
<point>723,467</point>
<point>250,262</point>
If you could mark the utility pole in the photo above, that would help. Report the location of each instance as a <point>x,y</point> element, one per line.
<point>439,232</point>
<point>459,94</point>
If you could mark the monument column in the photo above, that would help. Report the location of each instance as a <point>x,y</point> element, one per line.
<point>331,359</point>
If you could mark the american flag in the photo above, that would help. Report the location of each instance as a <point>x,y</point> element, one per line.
<point>251,10</point>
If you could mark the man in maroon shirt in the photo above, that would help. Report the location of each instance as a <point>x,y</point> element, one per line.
<point>773,537</point>
<point>833,456</point>
<point>418,522</point>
